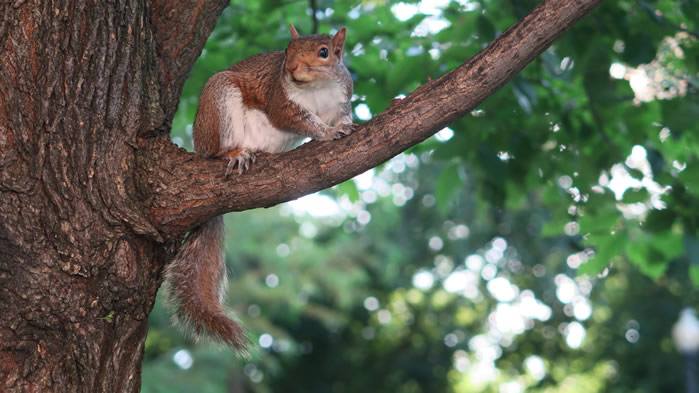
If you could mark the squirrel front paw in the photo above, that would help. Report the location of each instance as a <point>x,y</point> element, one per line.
<point>337,132</point>
<point>241,157</point>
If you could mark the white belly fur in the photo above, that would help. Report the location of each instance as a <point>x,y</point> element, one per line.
<point>249,128</point>
<point>325,99</point>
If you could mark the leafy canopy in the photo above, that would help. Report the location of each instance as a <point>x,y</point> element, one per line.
<point>546,241</point>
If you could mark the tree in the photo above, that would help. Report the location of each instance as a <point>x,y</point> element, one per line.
<point>95,198</point>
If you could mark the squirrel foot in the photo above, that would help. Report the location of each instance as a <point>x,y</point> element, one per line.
<point>338,132</point>
<point>241,157</point>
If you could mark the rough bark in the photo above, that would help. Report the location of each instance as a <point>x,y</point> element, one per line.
<point>79,267</point>
<point>93,195</point>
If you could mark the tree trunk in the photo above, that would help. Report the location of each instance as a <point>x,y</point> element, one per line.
<point>94,197</point>
<point>80,83</point>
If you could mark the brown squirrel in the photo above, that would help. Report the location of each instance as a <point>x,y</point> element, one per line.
<point>268,102</point>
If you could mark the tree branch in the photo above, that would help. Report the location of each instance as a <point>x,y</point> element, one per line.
<point>186,190</point>
<point>178,48</point>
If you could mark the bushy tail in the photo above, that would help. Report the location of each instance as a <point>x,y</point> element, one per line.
<point>195,283</point>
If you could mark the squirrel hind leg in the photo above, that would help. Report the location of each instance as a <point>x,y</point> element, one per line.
<point>243,158</point>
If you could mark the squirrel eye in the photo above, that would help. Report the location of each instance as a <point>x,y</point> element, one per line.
<point>323,53</point>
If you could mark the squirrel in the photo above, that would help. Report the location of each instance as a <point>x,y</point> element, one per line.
<point>269,102</point>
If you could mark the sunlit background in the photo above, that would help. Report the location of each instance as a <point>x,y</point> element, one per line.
<point>544,243</point>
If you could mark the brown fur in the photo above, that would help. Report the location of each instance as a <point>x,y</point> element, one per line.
<point>207,118</point>
<point>196,290</point>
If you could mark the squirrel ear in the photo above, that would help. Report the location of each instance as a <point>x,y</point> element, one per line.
<point>339,42</point>
<point>294,33</point>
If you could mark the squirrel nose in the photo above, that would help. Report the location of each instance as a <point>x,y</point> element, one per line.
<point>291,67</point>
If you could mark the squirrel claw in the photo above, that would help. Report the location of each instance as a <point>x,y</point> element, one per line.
<point>348,128</point>
<point>340,131</point>
<point>243,159</point>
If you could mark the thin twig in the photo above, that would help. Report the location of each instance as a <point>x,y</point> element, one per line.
<point>314,18</point>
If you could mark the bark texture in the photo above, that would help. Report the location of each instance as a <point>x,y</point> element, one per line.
<point>94,196</point>
<point>80,82</point>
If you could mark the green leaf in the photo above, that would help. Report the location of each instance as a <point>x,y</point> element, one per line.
<point>607,247</point>
<point>639,49</point>
<point>635,196</point>
<point>694,275</point>
<point>635,173</point>
<point>448,185</point>
<point>553,227</point>
<point>653,254</point>
<point>647,258</point>
<point>680,113</point>
<point>653,271</point>
<point>349,188</point>
<point>514,198</point>
<point>486,30</point>
<point>594,265</point>
<point>599,223</point>
<point>369,65</point>
<point>109,317</point>
<point>659,220</point>
<point>668,243</point>
<point>551,194</point>
<point>690,177</point>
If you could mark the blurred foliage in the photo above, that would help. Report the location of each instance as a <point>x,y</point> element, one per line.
<point>546,242</point>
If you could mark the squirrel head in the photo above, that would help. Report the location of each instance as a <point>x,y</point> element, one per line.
<point>313,58</point>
